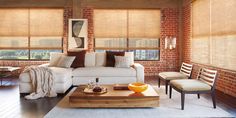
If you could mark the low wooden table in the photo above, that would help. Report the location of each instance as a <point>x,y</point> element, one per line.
<point>114,98</point>
<point>7,71</point>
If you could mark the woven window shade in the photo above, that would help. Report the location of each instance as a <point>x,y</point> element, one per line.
<point>6,42</point>
<point>223,33</point>
<point>46,42</point>
<point>144,23</point>
<point>110,23</point>
<point>14,22</point>
<point>46,22</point>
<point>200,32</point>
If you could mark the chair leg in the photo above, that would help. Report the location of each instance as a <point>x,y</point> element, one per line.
<point>182,100</point>
<point>198,96</point>
<point>159,82</point>
<point>213,98</point>
<point>167,87</point>
<point>170,92</point>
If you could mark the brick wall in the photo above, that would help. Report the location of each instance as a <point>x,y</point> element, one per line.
<point>186,33</point>
<point>169,59</point>
<point>226,81</point>
<point>22,64</point>
<point>87,13</point>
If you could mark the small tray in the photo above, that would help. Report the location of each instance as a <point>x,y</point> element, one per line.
<point>90,91</point>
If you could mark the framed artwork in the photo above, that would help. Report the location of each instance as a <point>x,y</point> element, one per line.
<point>78,34</point>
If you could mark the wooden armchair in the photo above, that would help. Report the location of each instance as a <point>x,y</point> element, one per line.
<point>184,73</point>
<point>205,83</point>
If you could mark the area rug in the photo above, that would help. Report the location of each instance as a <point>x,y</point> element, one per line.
<point>194,107</point>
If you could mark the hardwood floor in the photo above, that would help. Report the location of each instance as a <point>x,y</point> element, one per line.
<point>14,106</point>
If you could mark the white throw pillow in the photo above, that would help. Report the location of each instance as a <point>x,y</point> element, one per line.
<point>65,61</point>
<point>100,58</point>
<point>90,59</point>
<point>131,56</point>
<point>54,58</point>
<point>122,61</point>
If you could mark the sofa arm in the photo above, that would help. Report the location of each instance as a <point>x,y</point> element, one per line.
<point>139,72</point>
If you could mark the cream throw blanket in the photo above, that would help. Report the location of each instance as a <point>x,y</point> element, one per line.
<point>42,82</point>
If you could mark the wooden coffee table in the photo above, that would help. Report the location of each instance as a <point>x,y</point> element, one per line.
<point>114,98</point>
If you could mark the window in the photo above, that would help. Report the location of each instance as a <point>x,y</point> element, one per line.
<point>214,33</point>
<point>131,30</point>
<point>30,33</point>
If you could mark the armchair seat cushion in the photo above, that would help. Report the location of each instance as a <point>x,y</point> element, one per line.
<point>190,85</point>
<point>172,75</point>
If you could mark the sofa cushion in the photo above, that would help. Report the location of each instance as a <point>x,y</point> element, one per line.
<point>122,62</point>
<point>61,75</point>
<point>79,58</point>
<point>131,56</point>
<point>104,72</point>
<point>54,58</point>
<point>100,58</point>
<point>90,59</point>
<point>110,57</point>
<point>65,61</point>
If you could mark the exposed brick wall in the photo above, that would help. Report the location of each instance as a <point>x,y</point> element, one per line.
<point>226,81</point>
<point>186,33</point>
<point>169,59</point>
<point>68,13</point>
<point>88,14</point>
<point>22,64</point>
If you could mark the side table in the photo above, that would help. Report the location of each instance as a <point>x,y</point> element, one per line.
<point>7,71</point>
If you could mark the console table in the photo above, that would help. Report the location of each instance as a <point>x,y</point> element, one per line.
<point>7,71</point>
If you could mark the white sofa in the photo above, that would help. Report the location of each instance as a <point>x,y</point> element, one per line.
<point>94,67</point>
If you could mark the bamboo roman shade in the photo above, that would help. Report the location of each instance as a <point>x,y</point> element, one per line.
<point>200,31</point>
<point>110,23</point>
<point>46,22</point>
<point>119,23</point>
<point>144,23</point>
<point>223,33</point>
<point>214,33</point>
<point>30,33</point>
<point>14,22</point>
<point>31,22</point>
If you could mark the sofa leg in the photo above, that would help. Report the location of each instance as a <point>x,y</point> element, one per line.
<point>182,100</point>
<point>23,94</point>
<point>198,96</point>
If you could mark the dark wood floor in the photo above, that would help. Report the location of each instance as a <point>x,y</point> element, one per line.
<point>14,106</point>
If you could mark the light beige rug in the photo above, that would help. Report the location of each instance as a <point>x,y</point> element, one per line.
<point>194,107</point>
